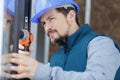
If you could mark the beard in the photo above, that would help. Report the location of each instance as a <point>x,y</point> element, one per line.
<point>59,38</point>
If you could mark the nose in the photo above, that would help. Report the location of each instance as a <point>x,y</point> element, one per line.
<point>47,27</point>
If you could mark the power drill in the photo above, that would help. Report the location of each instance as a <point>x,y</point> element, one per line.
<point>25,38</point>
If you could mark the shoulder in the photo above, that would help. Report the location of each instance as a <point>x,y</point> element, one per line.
<point>101,40</point>
<point>102,44</point>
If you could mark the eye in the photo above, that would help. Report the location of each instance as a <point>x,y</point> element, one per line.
<point>43,24</point>
<point>51,19</point>
<point>9,21</point>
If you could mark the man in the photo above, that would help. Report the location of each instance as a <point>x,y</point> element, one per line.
<point>84,54</point>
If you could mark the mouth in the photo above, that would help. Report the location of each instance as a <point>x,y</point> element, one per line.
<point>51,32</point>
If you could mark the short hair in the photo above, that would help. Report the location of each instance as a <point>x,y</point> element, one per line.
<point>65,11</point>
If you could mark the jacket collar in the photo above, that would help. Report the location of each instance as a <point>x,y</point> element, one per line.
<point>75,37</point>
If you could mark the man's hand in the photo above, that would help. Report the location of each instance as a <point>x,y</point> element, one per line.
<point>22,57</point>
<point>29,68</point>
<point>21,48</point>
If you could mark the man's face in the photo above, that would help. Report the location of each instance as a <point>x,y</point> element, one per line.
<point>56,25</point>
<point>8,19</point>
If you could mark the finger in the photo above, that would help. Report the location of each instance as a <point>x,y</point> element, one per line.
<point>20,59</point>
<point>24,52</point>
<point>13,55</point>
<point>4,74</point>
<point>21,47</point>
<point>5,68</point>
<point>19,76</point>
<point>5,58</point>
<point>19,68</point>
<point>15,76</point>
<point>11,48</point>
<point>9,58</point>
<point>9,55</point>
<point>17,61</point>
<point>5,61</point>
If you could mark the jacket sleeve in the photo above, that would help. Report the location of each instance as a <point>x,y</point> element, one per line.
<point>43,72</point>
<point>102,64</point>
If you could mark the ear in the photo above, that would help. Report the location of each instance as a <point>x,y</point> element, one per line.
<point>71,16</point>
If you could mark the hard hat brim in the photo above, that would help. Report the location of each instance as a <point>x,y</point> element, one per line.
<point>35,18</point>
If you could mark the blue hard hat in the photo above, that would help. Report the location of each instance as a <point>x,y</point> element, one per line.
<point>10,6</point>
<point>42,6</point>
